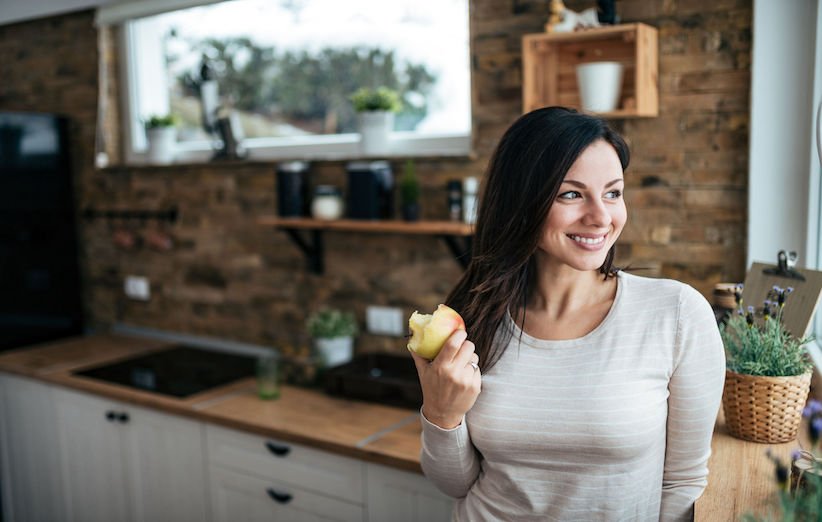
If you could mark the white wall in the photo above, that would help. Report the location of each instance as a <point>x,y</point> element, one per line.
<point>783,179</point>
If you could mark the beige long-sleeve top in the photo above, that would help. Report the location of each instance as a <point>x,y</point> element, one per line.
<point>612,426</point>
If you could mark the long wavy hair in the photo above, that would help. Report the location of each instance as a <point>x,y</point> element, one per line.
<point>519,187</point>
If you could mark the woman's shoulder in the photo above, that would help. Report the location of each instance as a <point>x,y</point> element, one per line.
<point>660,288</point>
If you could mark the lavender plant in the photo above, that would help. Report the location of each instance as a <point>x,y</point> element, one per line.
<point>796,500</point>
<point>764,347</point>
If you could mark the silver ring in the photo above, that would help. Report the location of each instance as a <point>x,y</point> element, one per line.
<point>474,365</point>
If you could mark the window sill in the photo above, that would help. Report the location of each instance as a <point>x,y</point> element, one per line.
<point>337,148</point>
<point>180,165</point>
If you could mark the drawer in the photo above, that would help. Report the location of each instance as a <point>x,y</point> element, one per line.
<point>237,496</point>
<point>313,470</point>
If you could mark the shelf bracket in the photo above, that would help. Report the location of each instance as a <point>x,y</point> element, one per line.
<point>461,250</point>
<point>312,250</point>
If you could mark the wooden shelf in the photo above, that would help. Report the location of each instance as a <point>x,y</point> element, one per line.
<point>457,236</point>
<point>356,225</point>
<point>549,63</point>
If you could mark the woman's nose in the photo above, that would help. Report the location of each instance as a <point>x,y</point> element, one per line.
<point>596,213</point>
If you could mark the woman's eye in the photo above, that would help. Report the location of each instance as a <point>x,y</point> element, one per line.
<point>613,194</point>
<point>571,194</point>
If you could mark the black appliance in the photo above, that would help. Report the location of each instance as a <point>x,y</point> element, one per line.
<point>39,266</point>
<point>179,371</point>
<point>293,193</point>
<point>377,377</point>
<point>370,190</point>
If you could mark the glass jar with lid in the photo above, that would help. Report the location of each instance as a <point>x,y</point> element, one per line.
<point>327,203</point>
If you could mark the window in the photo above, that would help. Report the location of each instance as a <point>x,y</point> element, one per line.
<point>285,70</point>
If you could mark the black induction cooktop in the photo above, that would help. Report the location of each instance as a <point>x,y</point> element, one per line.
<point>179,371</point>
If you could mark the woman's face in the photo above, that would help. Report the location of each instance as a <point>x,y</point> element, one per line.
<point>589,212</point>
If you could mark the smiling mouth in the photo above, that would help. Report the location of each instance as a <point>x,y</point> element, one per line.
<point>587,240</point>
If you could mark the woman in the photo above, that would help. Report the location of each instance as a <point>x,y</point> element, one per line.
<point>599,389</point>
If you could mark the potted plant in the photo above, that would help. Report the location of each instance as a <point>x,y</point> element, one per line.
<point>410,192</point>
<point>333,332</point>
<point>376,108</point>
<point>161,133</point>
<point>768,372</point>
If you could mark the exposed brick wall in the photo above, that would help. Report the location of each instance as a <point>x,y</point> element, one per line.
<point>228,277</point>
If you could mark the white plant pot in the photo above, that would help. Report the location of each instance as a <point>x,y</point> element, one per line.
<point>375,131</point>
<point>335,350</point>
<point>162,145</point>
<point>600,84</point>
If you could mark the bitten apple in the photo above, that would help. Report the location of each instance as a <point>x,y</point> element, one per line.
<point>430,331</point>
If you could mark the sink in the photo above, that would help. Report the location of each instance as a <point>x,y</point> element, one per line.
<point>377,377</point>
<point>179,371</point>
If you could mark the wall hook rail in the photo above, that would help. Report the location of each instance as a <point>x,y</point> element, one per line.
<point>169,215</point>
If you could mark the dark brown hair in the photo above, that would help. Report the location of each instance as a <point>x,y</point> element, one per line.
<point>520,185</point>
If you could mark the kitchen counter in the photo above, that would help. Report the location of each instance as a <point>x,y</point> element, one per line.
<point>308,417</point>
<point>741,475</point>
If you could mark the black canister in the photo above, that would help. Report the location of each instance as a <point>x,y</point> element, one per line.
<point>370,190</point>
<point>293,196</point>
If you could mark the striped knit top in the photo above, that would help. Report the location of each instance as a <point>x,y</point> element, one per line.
<point>613,426</point>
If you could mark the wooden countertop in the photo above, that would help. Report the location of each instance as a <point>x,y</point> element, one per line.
<point>741,475</point>
<point>303,416</point>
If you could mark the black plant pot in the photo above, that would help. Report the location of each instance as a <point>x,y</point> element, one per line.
<point>411,211</point>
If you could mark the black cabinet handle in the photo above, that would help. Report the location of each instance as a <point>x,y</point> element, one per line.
<point>122,417</point>
<point>111,416</point>
<point>281,450</point>
<point>282,498</point>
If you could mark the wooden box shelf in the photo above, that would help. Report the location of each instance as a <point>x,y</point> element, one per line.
<point>549,63</point>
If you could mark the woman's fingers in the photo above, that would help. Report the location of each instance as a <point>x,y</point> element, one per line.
<point>451,348</point>
<point>466,352</point>
<point>420,362</point>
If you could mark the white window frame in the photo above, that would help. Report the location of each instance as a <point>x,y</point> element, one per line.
<point>319,147</point>
<point>784,183</point>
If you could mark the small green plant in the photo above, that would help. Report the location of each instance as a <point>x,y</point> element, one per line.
<point>764,347</point>
<point>157,121</point>
<point>329,323</point>
<point>379,99</point>
<point>409,184</point>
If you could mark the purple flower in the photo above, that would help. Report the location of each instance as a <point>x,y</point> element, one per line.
<point>814,428</point>
<point>812,408</point>
<point>795,455</point>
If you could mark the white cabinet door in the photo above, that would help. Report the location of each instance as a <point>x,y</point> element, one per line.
<point>166,466</point>
<point>240,497</point>
<point>400,496</point>
<point>93,459</point>
<point>29,452</point>
<point>125,463</point>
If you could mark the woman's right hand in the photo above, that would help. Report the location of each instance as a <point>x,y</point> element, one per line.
<point>450,383</point>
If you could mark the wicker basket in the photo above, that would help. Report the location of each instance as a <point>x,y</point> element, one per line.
<point>764,409</point>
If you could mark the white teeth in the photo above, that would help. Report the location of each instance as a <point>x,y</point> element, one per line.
<point>588,241</point>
